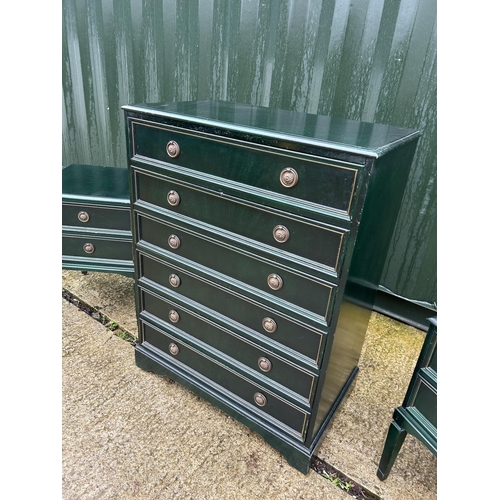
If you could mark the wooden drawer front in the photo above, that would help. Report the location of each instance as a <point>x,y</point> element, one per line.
<point>97,217</point>
<point>426,402</point>
<point>102,248</point>
<point>277,408</point>
<point>324,184</point>
<point>234,308</point>
<point>243,350</point>
<point>250,221</point>
<point>304,292</point>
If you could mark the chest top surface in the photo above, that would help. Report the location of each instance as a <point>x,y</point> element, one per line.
<point>92,182</point>
<point>256,123</point>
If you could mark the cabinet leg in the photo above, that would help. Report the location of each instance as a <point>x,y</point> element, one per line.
<point>395,438</point>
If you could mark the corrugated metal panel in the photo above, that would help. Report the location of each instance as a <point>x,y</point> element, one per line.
<point>372,60</point>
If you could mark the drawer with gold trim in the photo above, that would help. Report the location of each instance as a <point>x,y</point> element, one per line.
<point>92,216</point>
<point>308,180</point>
<point>274,231</point>
<point>97,247</point>
<point>236,270</point>
<point>252,394</point>
<point>255,358</point>
<point>280,333</point>
<point>277,281</point>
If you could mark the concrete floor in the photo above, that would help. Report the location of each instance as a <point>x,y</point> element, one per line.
<point>131,434</point>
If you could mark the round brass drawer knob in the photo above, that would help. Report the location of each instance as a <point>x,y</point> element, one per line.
<point>274,281</point>
<point>269,325</point>
<point>173,149</point>
<point>264,364</point>
<point>174,241</point>
<point>173,349</point>
<point>173,198</point>
<point>83,216</point>
<point>281,234</point>
<point>260,399</point>
<point>289,177</point>
<point>88,248</point>
<point>174,280</point>
<point>173,316</point>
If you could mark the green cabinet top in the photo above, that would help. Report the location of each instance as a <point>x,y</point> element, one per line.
<point>93,182</point>
<point>257,123</point>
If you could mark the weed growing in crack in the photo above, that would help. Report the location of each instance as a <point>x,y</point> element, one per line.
<point>337,482</point>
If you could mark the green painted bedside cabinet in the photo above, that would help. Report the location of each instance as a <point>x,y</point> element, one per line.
<point>96,233</point>
<point>259,239</point>
<point>418,413</point>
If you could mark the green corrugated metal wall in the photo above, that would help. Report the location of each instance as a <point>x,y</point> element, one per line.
<point>370,60</point>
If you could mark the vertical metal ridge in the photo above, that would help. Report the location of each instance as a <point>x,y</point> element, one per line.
<point>74,92</point>
<point>100,127</point>
<point>332,73</point>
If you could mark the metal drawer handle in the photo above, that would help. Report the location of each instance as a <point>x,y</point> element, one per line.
<point>173,349</point>
<point>274,281</point>
<point>173,316</point>
<point>174,241</point>
<point>173,149</point>
<point>289,177</point>
<point>173,198</point>
<point>281,234</point>
<point>260,399</point>
<point>269,325</point>
<point>264,364</point>
<point>174,280</point>
<point>83,216</point>
<point>88,248</point>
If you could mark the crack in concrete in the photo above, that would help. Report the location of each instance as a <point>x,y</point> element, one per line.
<point>94,313</point>
<point>342,481</point>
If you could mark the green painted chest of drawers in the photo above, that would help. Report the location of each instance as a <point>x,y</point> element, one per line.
<point>96,233</point>
<point>259,240</point>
